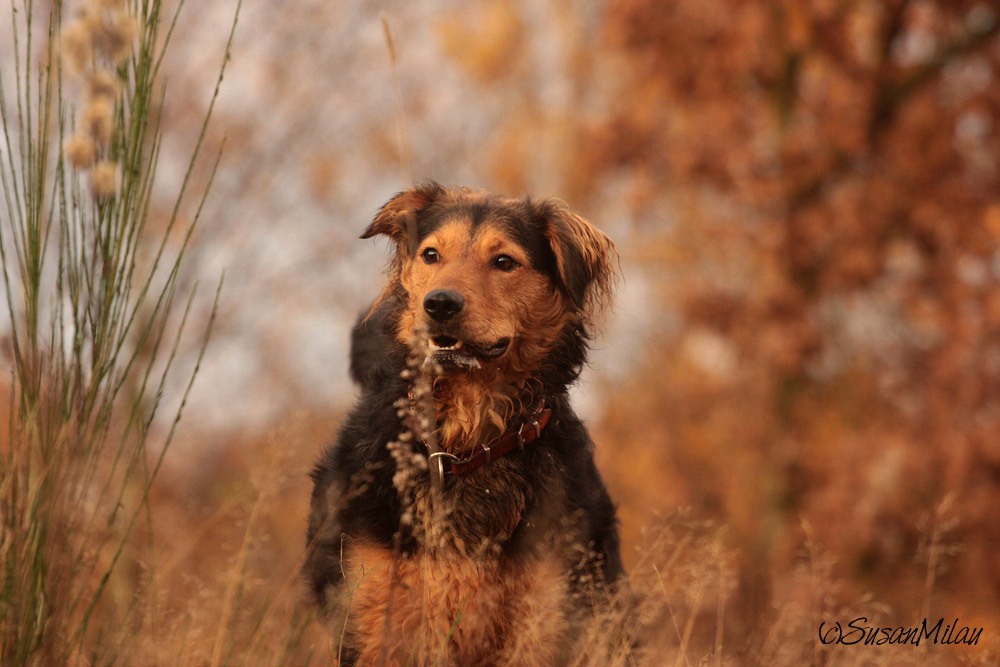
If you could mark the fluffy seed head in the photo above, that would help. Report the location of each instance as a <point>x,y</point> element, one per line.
<point>97,119</point>
<point>104,179</point>
<point>115,35</point>
<point>102,84</point>
<point>81,151</point>
<point>77,47</point>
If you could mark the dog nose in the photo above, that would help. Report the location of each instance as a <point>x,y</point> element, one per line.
<point>443,304</point>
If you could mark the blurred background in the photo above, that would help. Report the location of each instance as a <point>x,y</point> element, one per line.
<point>805,350</point>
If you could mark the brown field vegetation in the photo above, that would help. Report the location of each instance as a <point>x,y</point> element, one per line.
<point>796,405</point>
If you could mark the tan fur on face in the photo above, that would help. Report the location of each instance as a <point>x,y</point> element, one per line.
<point>522,305</point>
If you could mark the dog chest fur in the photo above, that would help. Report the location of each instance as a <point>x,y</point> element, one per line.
<point>464,610</point>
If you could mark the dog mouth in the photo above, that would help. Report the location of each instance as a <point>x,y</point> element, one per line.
<point>452,352</point>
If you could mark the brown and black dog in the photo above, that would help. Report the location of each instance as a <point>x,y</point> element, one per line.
<point>506,291</point>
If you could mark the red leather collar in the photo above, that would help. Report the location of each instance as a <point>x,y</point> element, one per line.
<point>442,463</point>
<point>529,431</point>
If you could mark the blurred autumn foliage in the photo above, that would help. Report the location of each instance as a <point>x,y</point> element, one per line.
<point>832,172</point>
<point>806,351</point>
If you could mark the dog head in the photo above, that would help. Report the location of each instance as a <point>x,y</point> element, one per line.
<point>495,281</point>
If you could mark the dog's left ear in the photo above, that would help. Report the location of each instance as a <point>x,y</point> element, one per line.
<point>585,257</point>
<point>398,217</point>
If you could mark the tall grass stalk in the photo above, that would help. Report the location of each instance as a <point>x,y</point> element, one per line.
<point>97,322</point>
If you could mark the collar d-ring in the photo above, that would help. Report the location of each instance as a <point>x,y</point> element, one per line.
<point>436,461</point>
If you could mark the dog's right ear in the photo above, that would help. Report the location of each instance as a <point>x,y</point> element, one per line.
<point>397,219</point>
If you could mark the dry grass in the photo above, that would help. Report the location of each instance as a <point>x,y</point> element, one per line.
<point>830,476</point>
<point>226,589</point>
<point>95,329</point>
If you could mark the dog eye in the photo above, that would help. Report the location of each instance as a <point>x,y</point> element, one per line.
<point>430,256</point>
<point>504,262</point>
